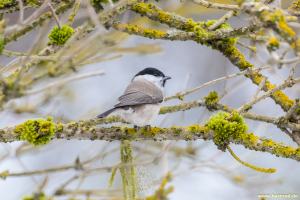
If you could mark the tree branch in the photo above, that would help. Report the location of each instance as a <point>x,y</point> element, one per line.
<point>90,130</point>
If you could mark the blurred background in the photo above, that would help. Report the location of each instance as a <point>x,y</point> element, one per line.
<point>199,169</point>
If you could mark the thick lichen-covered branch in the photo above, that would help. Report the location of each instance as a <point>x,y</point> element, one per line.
<point>89,131</point>
<point>212,104</point>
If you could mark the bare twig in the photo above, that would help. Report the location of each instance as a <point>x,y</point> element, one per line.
<point>208,4</point>
<point>54,15</point>
<point>64,81</point>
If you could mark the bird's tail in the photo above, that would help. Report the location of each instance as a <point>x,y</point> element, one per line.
<point>106,113</point>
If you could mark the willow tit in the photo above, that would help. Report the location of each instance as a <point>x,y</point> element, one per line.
<point>141,100</point>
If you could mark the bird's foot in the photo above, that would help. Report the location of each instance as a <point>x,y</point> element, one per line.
<point>136,128</point>
<point>146,128</point>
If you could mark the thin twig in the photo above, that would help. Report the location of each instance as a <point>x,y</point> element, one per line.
<point>221,20</point>
<point>187,92</point>
<point>64,81</point>
<point>287,83</point>
<point>208,4</point>
<point>54,15</point>
<point>21,15</point>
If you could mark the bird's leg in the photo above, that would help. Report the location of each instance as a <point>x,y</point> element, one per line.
<point>148,127</point>
<point>144,128</point>
<point>136,128</point>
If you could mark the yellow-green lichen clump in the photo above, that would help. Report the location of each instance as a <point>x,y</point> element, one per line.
<point>226,126</point>
<point>211,99</point>
<point>273,43</point>
<point>39,196</point>
<point>36,132</point>
<point>59,36</point>
<point>5,3</point>
<point>1,43</point>
<point>32,3</point>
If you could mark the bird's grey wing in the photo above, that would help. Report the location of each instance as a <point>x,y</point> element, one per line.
<point>140,92</point>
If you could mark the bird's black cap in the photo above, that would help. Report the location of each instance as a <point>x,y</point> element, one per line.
<point>151,71</point>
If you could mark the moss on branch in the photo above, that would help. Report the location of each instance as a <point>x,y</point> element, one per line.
<point>41,131</point>
<point>277,20</point>
<point>2,26</point>
<point>211,100</point>
<point>273,43</point>
<point>59,36</point>
<point>226,126</point>
<point>7,3</point>
<point>36,132</point>
<point>137,30</point>
<point>36,196</point>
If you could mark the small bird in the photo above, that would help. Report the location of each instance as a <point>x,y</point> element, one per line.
<point>141,100</point>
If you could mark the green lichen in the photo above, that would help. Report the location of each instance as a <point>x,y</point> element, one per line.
<point>256,168</point>
<point>208,23</point>
<point>297,111</point>
<point>150,131</point>
<point>249,139</point>
<point>211,99</point>
<point>277,20</point>
<point>226,42</point>
<point>59,36</point>
<point>296,5</point>
<point>285,102</point>
<point>4,174</point>
<point>59,127</point>
<point>232,53</point>
<point>6,3</point>
<point>32,2</point>
<point>196,128</point>
<point>36,132</point>
<point>146,32</point>
<point>176,130</point>
<point>129,131</point>
<point>37,196</point>
<point>239,60</point>
<point>202,33</point>
<point>1,43</point>
<point>273,44</point>
<point>128,171</point>
<point>156,13</point>
<point>286,29</point>
<point>279,149</point>
<point>226,126</point>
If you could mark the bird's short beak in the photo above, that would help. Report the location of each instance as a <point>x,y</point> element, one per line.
<point>167,78</point>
